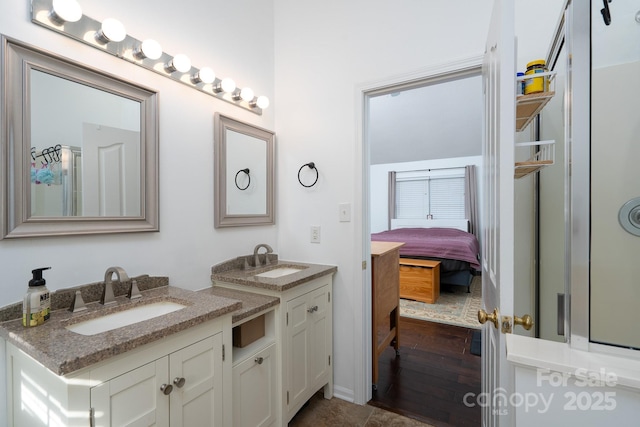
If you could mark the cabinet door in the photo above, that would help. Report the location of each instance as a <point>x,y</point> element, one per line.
<point>254,390</point>
<point>134,398</point>
<point>309,343</point>
<point>198,402</point>
<point>298,357</point>
<point>320,343</point>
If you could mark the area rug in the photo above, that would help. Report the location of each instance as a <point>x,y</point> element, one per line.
<point>456,307</point>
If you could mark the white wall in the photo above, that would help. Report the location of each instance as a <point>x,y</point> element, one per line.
<point>379,178</point>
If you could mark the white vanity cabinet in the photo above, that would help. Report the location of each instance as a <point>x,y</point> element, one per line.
<point>177,381</point>
<point>303,355</point>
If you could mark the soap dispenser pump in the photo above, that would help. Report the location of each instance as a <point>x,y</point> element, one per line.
<point>36,306</point>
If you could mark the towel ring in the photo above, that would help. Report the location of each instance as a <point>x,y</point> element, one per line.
<point>249,176</point>
<point>311,166</point>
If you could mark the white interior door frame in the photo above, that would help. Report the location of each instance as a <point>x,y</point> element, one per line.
<point>362,306</point>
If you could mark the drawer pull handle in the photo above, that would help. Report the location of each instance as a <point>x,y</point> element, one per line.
<point>312,309</point>
<point>259,360</point>
<point>166,389</point>
<point>179,382</point>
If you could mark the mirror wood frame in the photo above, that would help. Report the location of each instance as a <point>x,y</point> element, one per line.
<point>222,218</point>
<point>15,143</point>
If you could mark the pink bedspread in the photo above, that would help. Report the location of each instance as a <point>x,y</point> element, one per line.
<point>434,242</point>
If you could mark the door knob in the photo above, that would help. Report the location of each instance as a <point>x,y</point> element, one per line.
<point>166,389</point>
<point>525,321</point>
<point>312,309</point>
<point>258,360</point>
<point>179,381</point>
<point>483,316</point>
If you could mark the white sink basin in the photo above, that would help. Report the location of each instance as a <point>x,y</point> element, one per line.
<point>279,272</point>
<point>124,318</point>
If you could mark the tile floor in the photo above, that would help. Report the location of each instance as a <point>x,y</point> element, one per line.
<point>335,412</point>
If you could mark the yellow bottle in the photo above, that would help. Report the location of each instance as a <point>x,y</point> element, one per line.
<point>536,84</point>
<point>36,306</point>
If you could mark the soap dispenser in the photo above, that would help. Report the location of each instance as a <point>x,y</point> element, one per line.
<point>37,303</point>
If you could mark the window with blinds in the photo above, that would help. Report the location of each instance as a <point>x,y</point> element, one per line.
<point>430,194</point>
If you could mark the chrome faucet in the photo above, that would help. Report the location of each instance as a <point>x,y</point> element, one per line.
<point>107,293</point>
<point>256,255</point>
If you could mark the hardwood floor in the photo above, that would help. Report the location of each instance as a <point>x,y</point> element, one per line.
<point>429,379</point>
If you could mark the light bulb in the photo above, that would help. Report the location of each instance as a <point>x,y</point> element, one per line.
<point>148,49</point>
<point>228,85</point>
<point>180,63</point>
<point>205,75</point>
<point>112,31</point>
<point>262,102</point>
<point>65,11</point>
<point>246,93</point>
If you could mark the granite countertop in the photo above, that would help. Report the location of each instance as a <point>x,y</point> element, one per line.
<point>252,303</point>
<point>63,351</point>
<point>233,272</point>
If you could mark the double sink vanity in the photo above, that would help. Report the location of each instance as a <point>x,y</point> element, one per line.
<point>248,351</point>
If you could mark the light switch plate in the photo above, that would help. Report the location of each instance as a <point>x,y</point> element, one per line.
<point>344,212</point>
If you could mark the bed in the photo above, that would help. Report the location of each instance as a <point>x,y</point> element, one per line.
<point>444,241</point>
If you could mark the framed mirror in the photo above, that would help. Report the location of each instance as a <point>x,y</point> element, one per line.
<point>79,148</point>
<point>244,178</point>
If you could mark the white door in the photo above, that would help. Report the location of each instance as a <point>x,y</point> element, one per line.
<point>498,234</point>
<point>110,171</point>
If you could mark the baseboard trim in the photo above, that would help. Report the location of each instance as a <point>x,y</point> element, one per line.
<point>343,393</point>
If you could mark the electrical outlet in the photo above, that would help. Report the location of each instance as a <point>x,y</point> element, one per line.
<point>315,234</point>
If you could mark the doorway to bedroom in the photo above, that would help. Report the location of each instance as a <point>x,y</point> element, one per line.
<point>426,130</point>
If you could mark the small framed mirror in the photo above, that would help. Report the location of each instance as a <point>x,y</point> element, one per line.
<point>244,177</point>
<point>79,148</point>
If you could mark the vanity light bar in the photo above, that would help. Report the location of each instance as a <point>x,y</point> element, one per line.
<point>90,32</point>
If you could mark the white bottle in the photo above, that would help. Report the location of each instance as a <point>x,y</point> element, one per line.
<point>36,306</point>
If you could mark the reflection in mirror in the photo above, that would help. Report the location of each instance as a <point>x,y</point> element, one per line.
<point>81,150</point>
<point>244,193</point>
<point>85,150</point>
<point>246,152</point>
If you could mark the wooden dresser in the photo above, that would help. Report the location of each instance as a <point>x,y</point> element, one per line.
<point>420,280</point>
<point>385,298</point>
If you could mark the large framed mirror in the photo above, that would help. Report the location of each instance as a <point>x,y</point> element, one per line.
<point>244,178</point>
<point>79,148</point>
